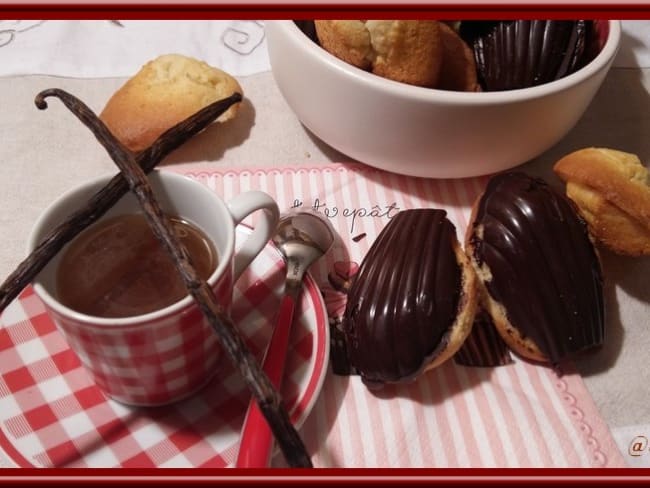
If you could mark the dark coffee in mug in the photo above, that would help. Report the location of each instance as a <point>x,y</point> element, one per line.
<point>118,268</point>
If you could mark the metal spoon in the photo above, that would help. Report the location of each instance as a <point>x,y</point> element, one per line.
<point>302,237</point>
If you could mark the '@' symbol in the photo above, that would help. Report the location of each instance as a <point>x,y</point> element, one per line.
<point>638,446</point>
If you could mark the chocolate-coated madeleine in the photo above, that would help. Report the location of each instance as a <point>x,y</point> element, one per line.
<point>541,276</point>
<point>515,54</point>
<point>412,302</point>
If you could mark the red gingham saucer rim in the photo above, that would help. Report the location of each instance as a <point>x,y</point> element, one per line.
<point>303,406</point>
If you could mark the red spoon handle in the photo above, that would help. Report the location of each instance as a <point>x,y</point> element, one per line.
<point>276,352</point>
<point>256,438</point>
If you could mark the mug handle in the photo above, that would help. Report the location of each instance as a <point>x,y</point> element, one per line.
<point>241,207</point>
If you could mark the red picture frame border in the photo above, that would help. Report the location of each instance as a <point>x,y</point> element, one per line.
<point>323,477</point>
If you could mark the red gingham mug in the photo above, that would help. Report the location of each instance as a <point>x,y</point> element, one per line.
<point>166,355</point>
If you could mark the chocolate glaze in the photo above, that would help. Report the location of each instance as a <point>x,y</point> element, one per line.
<point>522,53</point>
<point>309,29</point>
<point>484,347</point>
<point>404,298</point>
<point>545,271</point>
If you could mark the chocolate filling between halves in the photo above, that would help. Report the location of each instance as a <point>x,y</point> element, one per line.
<point>543,267</point>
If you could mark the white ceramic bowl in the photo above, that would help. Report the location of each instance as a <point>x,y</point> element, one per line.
<point>426,132</point>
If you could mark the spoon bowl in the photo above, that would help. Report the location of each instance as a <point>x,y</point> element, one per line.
<point>302,238</point>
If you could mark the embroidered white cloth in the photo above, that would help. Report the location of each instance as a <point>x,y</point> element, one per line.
<point>106,48</point>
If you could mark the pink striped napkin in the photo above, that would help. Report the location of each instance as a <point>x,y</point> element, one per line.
<point>517,415</point>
